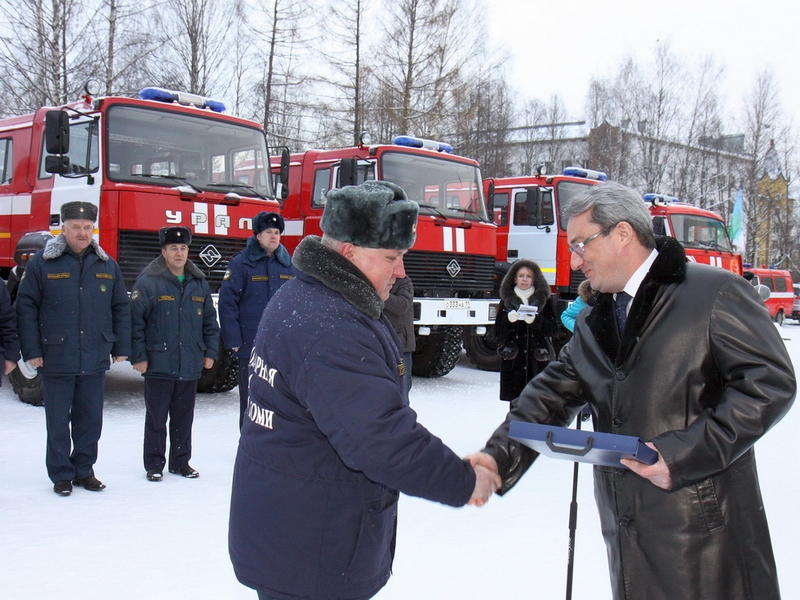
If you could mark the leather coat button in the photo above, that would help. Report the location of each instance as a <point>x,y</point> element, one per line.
<point>625,521</point>
<point>616,422</point>
<point>620,375</point>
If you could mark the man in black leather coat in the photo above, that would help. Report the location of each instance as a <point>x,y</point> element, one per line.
<point>699,372</point>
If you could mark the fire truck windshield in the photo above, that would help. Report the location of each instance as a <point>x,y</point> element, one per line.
<point>697,231</point>
<point>165,147</point>
<point>441,185</point>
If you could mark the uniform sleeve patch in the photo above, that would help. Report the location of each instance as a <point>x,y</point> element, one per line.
<point>227,275</point>
<point>135,295</point>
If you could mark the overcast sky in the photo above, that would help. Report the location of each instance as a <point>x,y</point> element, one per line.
<point>558,47</point>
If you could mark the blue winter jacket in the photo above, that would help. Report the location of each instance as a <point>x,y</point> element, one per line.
<point>250,281</point>
<point>174,324</point>
<point>327,442</point>
<point>72,310</point>
<point>9,341</point>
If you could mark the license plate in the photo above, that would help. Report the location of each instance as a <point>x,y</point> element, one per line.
<point>456,304</point>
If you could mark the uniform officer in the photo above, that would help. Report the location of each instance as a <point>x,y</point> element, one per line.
<point>175,336</point>
<point>253,276</point>
<point>72,313</point>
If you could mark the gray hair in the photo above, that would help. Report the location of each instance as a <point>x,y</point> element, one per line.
<point>611,203</point>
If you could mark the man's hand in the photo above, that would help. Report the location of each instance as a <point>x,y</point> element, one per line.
<point>208,363</point>
<point>486,482</point>
<point>36,362</point>
<point>657,473</point>
<point>119,358</point>
<point>10,366</point>
<point>487,478</point>
<point>141,367</point>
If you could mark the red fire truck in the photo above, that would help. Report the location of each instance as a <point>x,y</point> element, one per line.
<point>165,158</point>
<point>527,213</point>
<point>780,302</point>
<point>452,262</point>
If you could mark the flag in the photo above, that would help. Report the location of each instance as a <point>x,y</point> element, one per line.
<point>737,223</point>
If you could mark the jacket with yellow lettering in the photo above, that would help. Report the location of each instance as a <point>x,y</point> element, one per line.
<point>250,281</point>
<point>72,310</point>
<point>174,324</point>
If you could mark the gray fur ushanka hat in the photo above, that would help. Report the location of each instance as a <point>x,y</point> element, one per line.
<point>78,210</point>
<point>375,214</point>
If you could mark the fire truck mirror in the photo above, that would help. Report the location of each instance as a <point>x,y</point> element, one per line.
<point>57,164</point>
<point>56,132</point>
<point>347,171</point>
<point>490,199</point>
<point>533,202</point>
<point>284,173</point>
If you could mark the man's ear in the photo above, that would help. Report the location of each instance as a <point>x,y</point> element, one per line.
<point>625,232</point>
<point>347,250</point>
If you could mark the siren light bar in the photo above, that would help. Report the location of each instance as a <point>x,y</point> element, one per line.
<point>585,173</point>
<point>414,142</point>
<point>659,199</point>
<point>162,95</point>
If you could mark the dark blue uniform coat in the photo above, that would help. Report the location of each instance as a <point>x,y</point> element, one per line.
<point>327,441</point>
<point>251,280</point>
<point>9,341</point>
<point>174,324</point>
<point>73,311</point>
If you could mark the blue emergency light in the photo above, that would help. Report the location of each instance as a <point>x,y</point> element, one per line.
<point>162,95</point>
<point>585,173</point>
<point>414,142</point>
<point>659,199</point>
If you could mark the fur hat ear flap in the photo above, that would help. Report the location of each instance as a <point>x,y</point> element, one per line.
<point>375,214</point>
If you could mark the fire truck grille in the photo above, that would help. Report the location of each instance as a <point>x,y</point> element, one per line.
<point>443,274</point>
<point>209,254</point>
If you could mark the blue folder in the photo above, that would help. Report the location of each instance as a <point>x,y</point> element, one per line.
<point>582,446</point>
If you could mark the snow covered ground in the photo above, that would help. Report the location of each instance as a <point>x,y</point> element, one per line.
<point>167,540</point>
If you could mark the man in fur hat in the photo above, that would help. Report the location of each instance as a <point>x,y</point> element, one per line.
<point>253,276</point>
<point>72,315</point>
<point>175,336</point>
<point>328,442</point>
<point>684,356</point>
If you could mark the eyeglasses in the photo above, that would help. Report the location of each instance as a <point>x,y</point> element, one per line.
<point>580,247</point>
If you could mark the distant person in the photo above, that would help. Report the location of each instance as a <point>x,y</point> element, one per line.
<point>72,315</point>
<point>683,356</point>
<point>175,336</point>
<point>252,278</point>
<point>569,315</point>
<point>524,327</point>
<point>399,308</point>
<point>9,340</point>
<point>328,442</point>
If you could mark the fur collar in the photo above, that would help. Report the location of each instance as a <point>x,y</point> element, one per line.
<point>255,252</point>
<point>669,268</point>
<point>540,286</point>
<point>159,267</point>
<point>334,271</point>
<point>56,246</point>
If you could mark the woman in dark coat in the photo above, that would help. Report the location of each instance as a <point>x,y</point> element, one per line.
<point>524,339</point>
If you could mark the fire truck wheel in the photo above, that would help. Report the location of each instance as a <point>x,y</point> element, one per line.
<point>27,384</point>
<point>482,349</point>
<point>223,376</point>
<point>780,318</point>
<point>437,353</point>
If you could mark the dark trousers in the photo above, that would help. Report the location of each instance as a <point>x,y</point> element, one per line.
<point>73,408</point>
<point>173,398</point>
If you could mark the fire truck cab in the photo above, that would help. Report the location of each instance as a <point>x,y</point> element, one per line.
<point>452,262</point>
<point>780,302</point>
<point>164,158</point>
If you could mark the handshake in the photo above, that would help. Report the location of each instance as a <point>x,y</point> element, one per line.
<point>487,478</point>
